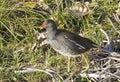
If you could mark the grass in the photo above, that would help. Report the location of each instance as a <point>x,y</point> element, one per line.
<point>17,37</point>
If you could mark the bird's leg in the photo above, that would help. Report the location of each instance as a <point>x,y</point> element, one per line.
<point>68,64</point>
<point>85,58</point>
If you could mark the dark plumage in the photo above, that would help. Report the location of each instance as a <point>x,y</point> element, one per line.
<point>65,42</point>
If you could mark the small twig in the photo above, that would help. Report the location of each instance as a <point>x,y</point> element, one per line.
<point>4,68</point>
<point>19,50</point>
<point>40,35</point>
<point>113,25</point>
<point>106,68</point>
<point>108,40</point>
<point>114,75</point>
<point>113,58</point>
<point>47,71</point>
<point>44,42</point>
<point>34,46</point>
<point>93,75</point>
<point>55,73</point>
<point>28,70</point>
<point>110,45</point>
<point>116,18</point>
<point>105,79</point>
<point>67,80</point>
<point>107,62</point>
<point>115,54</point>
<point>116,65</point>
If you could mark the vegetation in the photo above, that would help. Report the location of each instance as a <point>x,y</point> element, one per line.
<point>18,28</point>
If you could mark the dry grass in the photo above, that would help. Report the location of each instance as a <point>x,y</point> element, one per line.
<point>24,59</point>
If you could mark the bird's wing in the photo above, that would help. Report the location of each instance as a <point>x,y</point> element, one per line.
<point>76,40</point>
<point>75,43</point>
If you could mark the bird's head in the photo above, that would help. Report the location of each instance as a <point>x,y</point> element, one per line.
<point>49,25</point>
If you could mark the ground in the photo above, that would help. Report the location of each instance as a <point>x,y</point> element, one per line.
<point>22,59</point>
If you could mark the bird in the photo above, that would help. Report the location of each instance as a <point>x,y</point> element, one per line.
<point>65,42</point>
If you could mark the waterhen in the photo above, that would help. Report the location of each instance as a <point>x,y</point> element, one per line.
<point>65,42</point>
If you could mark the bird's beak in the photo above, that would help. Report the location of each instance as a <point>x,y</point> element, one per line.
<point>43,25</point>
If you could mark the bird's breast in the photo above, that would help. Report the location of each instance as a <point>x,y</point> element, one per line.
<point>61,48</point>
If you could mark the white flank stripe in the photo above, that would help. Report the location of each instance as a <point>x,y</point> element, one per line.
<point>95,45</point>
<point>80,46</point>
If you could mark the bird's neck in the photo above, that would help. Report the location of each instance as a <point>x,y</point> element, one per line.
<point>51,34</point>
